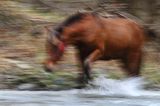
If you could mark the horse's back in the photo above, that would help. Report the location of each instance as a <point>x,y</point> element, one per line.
<point>119,37</point>
<point>123,33</point>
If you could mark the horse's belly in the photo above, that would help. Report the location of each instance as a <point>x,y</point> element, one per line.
<point>113,55</point>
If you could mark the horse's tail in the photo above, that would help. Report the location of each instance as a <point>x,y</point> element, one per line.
<point>150,33</point>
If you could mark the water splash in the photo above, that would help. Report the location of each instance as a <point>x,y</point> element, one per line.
<point>129,87</point>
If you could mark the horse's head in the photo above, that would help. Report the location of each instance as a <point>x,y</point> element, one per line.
<point>65,32</point>
<point>55,48</point>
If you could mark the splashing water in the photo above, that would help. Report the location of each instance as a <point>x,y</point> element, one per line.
<point>103,92</point>
<point>129,87</point>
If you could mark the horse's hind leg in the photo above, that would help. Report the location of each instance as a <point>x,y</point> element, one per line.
<point>133,63</point>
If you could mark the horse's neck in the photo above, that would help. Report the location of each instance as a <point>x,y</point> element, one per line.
<point>76,33</point>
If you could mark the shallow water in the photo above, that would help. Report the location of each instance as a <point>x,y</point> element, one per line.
<point>106,92</point>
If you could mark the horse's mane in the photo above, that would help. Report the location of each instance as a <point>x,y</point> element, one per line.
<point>69,21</point>
<point>76,18</point>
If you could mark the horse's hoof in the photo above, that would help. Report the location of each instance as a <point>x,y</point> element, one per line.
<point>81,86</point>
<point>83,81</point>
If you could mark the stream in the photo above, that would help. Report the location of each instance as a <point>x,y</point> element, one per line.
<point>103,92</point>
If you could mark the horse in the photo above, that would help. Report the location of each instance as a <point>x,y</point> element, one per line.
<point>97,38</point>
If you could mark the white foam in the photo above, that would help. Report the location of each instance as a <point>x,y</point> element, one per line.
<point>129,87</point>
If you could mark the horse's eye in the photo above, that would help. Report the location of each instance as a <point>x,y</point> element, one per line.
<point>53,46</point>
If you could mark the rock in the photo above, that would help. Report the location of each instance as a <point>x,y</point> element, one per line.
<point>59,81</point>
<point>24,66</point>
<point>19,64</point>
<point>4,86</point>
<point>27,86</point>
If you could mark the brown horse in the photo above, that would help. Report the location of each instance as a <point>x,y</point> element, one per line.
<point>97,38</point>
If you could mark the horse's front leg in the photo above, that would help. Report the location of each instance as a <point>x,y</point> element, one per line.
<point>95,55</point>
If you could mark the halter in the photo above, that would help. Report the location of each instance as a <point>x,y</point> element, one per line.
<point>60,44</point>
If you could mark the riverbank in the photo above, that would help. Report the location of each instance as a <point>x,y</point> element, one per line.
<point>22,50</point>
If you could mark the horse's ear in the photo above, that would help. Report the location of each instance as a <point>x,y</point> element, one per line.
<point>51,35</point>
<point>48,31</point>
<point>48,28</point>
<point>79,11</point>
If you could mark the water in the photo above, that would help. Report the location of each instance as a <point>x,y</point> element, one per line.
<point>106,92</point>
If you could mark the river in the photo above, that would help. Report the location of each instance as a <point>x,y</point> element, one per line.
<point>106,92</point>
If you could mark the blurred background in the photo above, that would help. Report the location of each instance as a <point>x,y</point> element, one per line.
<point>22,40</point>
